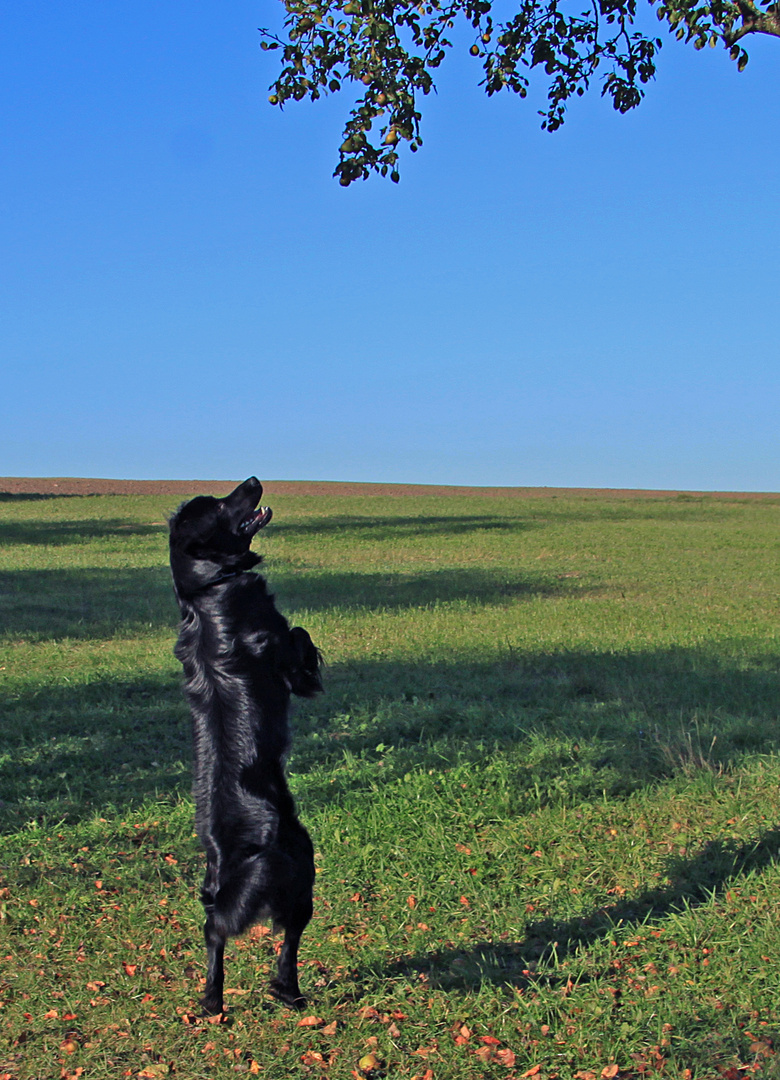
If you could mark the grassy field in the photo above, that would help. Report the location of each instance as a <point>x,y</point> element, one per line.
<point>542,786</point>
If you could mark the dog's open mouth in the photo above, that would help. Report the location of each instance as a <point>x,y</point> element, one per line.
<point>257,520</point>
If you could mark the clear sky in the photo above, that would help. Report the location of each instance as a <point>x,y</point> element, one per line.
<point>186,292</point>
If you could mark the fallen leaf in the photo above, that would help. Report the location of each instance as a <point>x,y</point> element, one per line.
<point>506,1057</point>
<point>69,1046</point>
<point>394,1031</point>
<point>368,1063</point>
<point>310,1021</point>
<point>331,1029</point>
<point>609,1072</point>
<point>490,1040</point>
<point>130,969</point>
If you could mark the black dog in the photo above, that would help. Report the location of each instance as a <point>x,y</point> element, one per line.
<point>241,662</point>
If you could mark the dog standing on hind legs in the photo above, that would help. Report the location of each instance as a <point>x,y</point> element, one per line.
<point>241,662</point>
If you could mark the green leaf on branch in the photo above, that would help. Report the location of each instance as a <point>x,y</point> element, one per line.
<point>388,50</point>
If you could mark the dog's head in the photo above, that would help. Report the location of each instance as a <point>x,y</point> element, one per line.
<point>210,538</point>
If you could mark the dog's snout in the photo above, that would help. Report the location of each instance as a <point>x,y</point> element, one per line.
<point>251,488</point>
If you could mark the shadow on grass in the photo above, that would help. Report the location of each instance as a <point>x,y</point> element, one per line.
<point>86,603</point>
<point>29,496</point>
<point>718,866</point>
<point>399,526</point>
<point>395,591</point>
<point>70,752</point>
<point>59,533</point>
<point>536,514</point>
<point>610,721</point>
<point>101,602</point>
<point>649,713</point>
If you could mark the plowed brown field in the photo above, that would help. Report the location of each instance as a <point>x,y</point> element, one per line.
<point>76,485</point>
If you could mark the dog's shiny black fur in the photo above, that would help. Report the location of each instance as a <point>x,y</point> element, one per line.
<point>241,662</point>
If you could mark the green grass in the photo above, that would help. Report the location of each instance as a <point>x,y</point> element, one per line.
<point>542,785</point>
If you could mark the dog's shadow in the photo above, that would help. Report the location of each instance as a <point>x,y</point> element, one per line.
<point>718,866</point>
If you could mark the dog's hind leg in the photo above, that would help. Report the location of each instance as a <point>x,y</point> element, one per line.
<point>285,985</point>
<point>215,935</point>
<point>215,975</point>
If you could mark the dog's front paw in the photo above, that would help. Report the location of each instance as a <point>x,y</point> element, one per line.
<point>288,995</point>
<point>211,1006</point>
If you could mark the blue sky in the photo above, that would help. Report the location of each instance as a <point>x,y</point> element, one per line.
<point>185,292</point>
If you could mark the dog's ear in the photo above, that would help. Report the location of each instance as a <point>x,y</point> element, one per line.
<point>304,664</point>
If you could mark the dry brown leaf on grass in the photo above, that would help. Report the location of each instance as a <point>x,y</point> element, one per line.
<point>258,931</point>
<point>153,1072</point>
